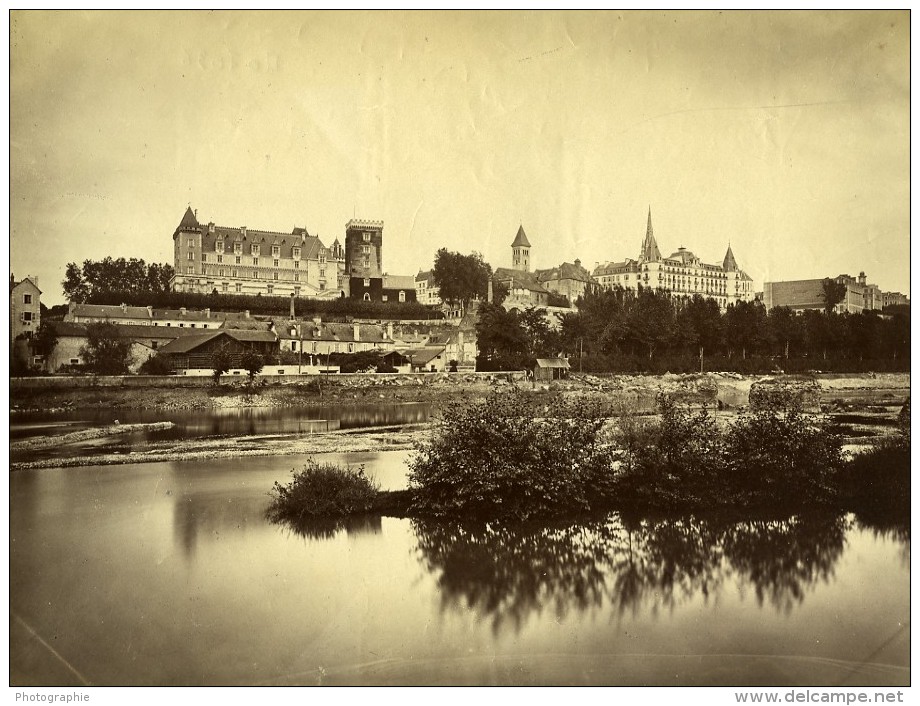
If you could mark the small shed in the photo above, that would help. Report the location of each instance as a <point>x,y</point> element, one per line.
<point>547,369</point>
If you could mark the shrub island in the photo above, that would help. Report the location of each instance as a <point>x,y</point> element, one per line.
<point>516,457</point>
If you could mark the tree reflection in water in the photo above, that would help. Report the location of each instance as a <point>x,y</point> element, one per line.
<point>507,573</point>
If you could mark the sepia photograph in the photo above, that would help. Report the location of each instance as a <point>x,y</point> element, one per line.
<point>460,348</point>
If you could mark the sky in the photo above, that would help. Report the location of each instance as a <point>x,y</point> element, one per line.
<point>784,134</point>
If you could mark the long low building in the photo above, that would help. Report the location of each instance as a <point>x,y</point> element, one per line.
<point>805,294</point>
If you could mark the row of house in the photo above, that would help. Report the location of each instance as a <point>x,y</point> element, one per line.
<point>189,338</point>
<point>858,295</point>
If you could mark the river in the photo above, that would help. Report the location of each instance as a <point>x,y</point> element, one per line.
<point>169,574</point>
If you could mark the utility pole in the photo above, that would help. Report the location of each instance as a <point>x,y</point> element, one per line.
<point>300,348</point>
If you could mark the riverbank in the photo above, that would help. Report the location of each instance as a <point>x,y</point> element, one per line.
<point>638,392</point>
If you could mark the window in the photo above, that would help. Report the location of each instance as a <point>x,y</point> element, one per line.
<point>402,296</point>
<point>239,260</point>
<point>255,274</point>
<point>204,257</point>
<point>238,248</point>
<point>191,256</point>
<point>255,261</point>
<point>276,251</point>
<point>192,325</point>
<point>367,237</point>
<point>190,270</point>
<point>191,243</point>
<point>367,297</point>
<point>296,291</point>
<point>322,286</point>
<point>385,297</point>
<point>296,264</point>
<point>233,272</point>
<point>220,272</point>
<point>26,298</point>
<point>27,316</point>
<point>351,347</point>
<point>295,253</point>
<point>322,258</point>
<point>322,273</point>
<point>271,288</point>
<point>220,259</point>
<point>255,250</point>
<point>275,276</point>
<point>224,287</point>
<point>366,249</point>
<point>296,276</point>
<point>276,263</point>
<point>219,246</point>
<point>74,361</point>
<point>239,287</point>
<point>367,262</point>
<point>367,283</point>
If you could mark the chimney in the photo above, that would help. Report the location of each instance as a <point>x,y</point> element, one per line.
<point>246,314</point>
<point>207,313</point>
<point>292,306</point>
<point>577,263</point>
<point>183,311</point>
<point>356,328</point>
<point>390,330</point>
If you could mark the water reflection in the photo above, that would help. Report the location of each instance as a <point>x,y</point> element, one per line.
<point>328,527</point>
<point>506,574</point>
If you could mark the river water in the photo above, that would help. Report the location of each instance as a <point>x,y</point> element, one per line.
<point>169,574</point>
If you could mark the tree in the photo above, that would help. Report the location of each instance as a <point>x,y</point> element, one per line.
<point>252,363</point>
<point>106,352</point>
<point>745,326</point>
<point>220,363</point>
<point>461,278</point>
<point>110,276</point>
<point>45,339</point>
<point>157,364</point>
<point>500,337</point>
<point>833,293</point>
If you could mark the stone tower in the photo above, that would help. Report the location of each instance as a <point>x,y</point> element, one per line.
<point>520,252</point>
<point>364,248</point>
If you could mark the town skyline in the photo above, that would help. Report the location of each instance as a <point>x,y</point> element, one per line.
<point>456,128</point>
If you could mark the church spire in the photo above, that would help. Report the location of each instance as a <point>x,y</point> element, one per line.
<point>729,264</point>
<point>650,251</point>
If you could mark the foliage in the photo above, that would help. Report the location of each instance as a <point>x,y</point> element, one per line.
<point>617,327</point>
<point>45,339</point>
<point>778,453</point>
<point>833,293</point>
<point>109,275</point>
<point>157,364</point>
<point>461,278</point>
<point>501,338</point>
<point>339,309</point>
<point>252,363</point>
<point>505,457</point>
<point>220,363</point>
<point>322,490</point>
<point>106,352</point>
<point>677,461</point>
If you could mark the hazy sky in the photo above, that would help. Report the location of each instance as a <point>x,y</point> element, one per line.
<point>784,133</point>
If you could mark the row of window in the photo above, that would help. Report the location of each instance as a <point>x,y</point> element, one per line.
<point>254,249</point>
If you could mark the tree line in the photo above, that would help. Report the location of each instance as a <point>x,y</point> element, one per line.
<point>646,330</point>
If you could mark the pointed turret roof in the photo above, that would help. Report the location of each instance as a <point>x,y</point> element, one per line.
<point>520,239</point>
<point>729,264</point>
<point>650,251</point>
<point>188,220</point>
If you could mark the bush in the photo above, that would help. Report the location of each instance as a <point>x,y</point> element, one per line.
<point>158,364</point>
<point>504,457</point>
<point>781,454</point>
<point>322,490</point>
<point>678,461</point>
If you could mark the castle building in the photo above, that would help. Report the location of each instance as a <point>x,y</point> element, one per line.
<point>366,279</point>
<point>682,274</point>
<point>229,260</point>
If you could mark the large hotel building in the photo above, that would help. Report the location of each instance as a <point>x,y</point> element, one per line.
<point>683,273</point>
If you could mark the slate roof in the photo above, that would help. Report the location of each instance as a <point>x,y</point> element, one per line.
<point>77,330</point>
<point>566,270</point>
<point>520,239</point>
<point>108,311</point>
<point>399,282</point>
<point>520,279</point>
<point>310,246</point>
<point>368,333</point>
<point>187,343</point>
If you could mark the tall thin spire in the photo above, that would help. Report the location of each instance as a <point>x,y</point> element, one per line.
<point>729,264</point>
<point>650,251</point>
